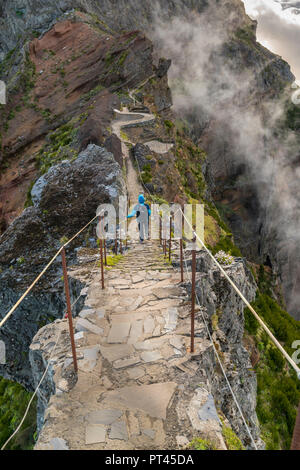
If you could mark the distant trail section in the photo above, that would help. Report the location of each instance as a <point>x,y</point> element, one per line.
<point>159,147</point>
<point>123,118</point>
<point>126,119</point>
<point>138,386</point>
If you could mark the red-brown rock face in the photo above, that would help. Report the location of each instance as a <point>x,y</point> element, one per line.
<point>69,74</point>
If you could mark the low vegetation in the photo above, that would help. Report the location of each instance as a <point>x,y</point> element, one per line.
<point>278,391</point>
<point>13,403</point>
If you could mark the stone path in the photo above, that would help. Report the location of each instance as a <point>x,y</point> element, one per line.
<point>134,188</point>
<point>138,387</point>
<point>159,147</point>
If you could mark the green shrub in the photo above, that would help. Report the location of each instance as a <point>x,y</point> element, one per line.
<point>13,403</point>
<point>278,389</point>
<point>231,439</point>
<point>226,244</point>
<point>293,117</point>
<point>201,444</point>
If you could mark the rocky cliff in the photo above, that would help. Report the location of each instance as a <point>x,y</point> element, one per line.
<point>226,143</point>
<point>116,363</point>
<point>251,166</point>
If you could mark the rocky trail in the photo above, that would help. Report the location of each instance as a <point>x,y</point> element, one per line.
<point>126,119</point>
<point>138,387</point>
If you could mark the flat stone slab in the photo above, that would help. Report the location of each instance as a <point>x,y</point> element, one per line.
<point>100,313</point>
<point>119,282</point>
<point>136,373</point>
<point>104,416</point>
<point>137,279</point>
<point>136,332</point>
<point>149,325</point>
<point>202,404</point>
<point>167,292</point>
<point>150,344</point>
<point>58,444</point>
<point>152,399</point>
<point>86,312</point>
<point>151,356</point>
<point>157,331</point>
<point>135,305</point>
<point>119,431</point>
<point>176,341</point>
<point>91,354</point>
<point>149,433</point>
<point>123,363</point>
<point>85,325</point>
<point>119,333</point>
<point>208,410</point>
<point>171,319</point>
<point>115,352</point>
<point>95,433</point>
<point>79,336</point>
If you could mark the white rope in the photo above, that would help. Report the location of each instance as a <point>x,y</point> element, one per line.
<point>46,370</point>
<point>34,394</point>
<point>221,365</point>
<point>275,341</point>
<point>11,311</point>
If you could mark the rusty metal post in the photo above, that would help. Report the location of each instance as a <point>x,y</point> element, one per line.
<point>116,242</point>
<point>181,252</point>
<point>170,239</point>
<point>121,246</point>
<point>101,253</point>
<point>193,295</point>
<point>104,242</point>
<point>105,253</point>
<point>160,231</point>
<point>69,309</point>
<point>102,264</point>
<point>181,259</point>
<point>296,436</point>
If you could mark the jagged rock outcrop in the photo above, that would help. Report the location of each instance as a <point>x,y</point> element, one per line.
<point>138,16</point>
<point>70,190</point>
<point>130,360</point>
<point>62,90</point>
<point>223,313</point>
<point>65,199</point>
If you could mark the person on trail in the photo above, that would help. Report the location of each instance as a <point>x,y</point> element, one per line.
<point>142,213</point>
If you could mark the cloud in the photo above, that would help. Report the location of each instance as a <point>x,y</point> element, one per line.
<point>220,94</point>
<point>278,29</point>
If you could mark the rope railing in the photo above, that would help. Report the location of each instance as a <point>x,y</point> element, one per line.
<point>12,310</point>
<point>222,368</point>
<point>264,326</point>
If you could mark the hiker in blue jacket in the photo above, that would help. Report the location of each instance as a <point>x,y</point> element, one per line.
<point>142,213</point>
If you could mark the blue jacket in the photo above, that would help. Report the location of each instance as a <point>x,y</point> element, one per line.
<point>136,211</point>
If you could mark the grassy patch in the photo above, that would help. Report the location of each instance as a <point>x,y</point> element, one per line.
<point>201,444</point>
<point>112,261</point>
<point>146,174</point>
<point>13,402</point>
<point>226,244</point>
<point>278,391</point>
<point>28,202</point>
<point>231,439</point>
<point>293,117</point>
<point>58,149</point>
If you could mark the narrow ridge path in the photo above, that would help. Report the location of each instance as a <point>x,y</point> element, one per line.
<point>138,387</point>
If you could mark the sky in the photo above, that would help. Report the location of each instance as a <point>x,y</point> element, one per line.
<point>278,28</point>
